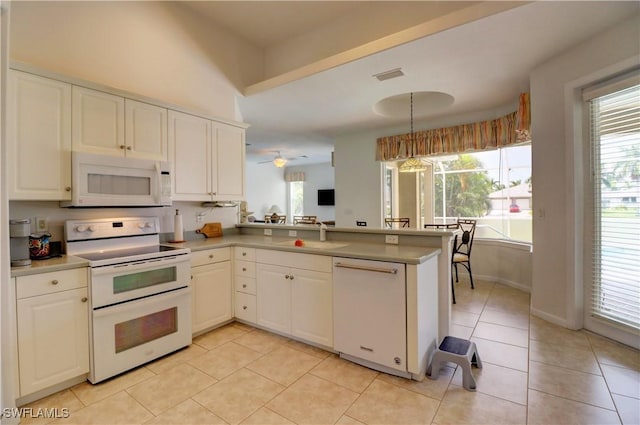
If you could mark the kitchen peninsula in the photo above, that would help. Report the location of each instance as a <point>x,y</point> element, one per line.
<point>255,292</point>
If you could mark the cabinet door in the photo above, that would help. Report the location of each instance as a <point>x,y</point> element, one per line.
<point>312,306</point>
<point>145,131</point>
<point>211,295</point>
<point>38,138</point>
<point>274,298</point>
<point>98,122</point>
<point>189,152</point>
<point>228,165</point>
<point>53,339</point>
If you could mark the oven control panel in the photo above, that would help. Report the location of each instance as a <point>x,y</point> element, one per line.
<point>111,228</point>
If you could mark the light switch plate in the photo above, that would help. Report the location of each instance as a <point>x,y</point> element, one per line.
<point>42,224</point>
<point>267,232</point>
<point>293,233</point>
<point>392,239</point>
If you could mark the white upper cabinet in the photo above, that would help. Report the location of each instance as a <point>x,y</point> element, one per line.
<point>38,138</point>
<point>208,159</point>
<point>98,122</point>
<point>189,153</point>
<point>145,131</point>
<point>228,174</point>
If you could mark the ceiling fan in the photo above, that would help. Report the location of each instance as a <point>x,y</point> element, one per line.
<point>279,161</point>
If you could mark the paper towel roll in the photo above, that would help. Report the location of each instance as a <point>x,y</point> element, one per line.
<point>177,227</point>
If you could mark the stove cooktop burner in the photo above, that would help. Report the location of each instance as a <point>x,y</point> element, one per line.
<point>128,252</point>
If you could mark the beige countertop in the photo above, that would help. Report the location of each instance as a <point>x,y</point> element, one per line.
<point>379,251</point>
<point>51,265</point>
<point>383,252</point>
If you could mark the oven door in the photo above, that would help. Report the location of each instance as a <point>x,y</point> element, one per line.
<point>130,334</point>
<point>123,282</point>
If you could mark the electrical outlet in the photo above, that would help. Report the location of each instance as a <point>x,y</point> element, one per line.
<point>267,232</point>
<point>199,217</point>
<point>42,224</point>
<point>393,239</point>
<point>293,233</point>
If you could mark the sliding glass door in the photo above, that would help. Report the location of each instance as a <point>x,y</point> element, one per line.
<point>612,304</point>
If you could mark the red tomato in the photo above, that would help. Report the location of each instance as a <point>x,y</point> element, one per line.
<point>299,242</point>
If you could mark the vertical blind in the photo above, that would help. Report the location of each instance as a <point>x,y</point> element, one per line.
<point>615,144</point>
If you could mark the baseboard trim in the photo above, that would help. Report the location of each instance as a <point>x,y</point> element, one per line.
<point>505,282</point>
<point>550,317</point>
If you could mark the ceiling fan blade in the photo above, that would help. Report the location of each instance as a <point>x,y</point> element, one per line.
<point>265,162</point>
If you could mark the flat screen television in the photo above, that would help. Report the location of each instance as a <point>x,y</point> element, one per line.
<point>326,197</point>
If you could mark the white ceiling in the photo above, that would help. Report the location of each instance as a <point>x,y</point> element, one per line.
<point>483,64</point>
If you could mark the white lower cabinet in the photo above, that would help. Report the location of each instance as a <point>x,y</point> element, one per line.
<point>311,306</point>
<point>245,284</point>
<point>298,300</point>
<point>274,297</point>
<point>53,328</point>
<point>210,288</point>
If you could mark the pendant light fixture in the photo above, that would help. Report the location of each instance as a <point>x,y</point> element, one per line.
<point>412,164</point>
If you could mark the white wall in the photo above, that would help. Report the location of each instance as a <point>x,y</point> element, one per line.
<point>317,176</point>
<point>558,171</point>
<point>265,187</point>
<point>358,180</point>
<point>157,49</point>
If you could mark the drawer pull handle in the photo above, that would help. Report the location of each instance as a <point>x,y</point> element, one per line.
<point>210,255</point>
<point>366,348</point>
<point>67,189</point>
<point>244,269</point>
<point>286,276</point>
<point>244,307</point>
<point>84,299</point>
<point>291,277</point>
<point>244,254</point>
<point>128,148</point>
<point>121,146</point>
<point>244,285</point>
<point>54,282</point>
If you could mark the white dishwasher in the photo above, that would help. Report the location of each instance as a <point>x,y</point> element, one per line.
<point>370,320</point>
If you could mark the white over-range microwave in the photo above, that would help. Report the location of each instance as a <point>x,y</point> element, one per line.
<point>110,181</point>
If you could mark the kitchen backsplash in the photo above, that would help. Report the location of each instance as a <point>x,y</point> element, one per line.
<point>56,216</point>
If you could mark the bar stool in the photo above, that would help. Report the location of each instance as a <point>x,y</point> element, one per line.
<point>460,351</point>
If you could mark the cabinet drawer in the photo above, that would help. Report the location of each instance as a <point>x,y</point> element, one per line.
<point>48,283</point>
<point>246,307</point>
<point>245,269</point>
<point>246,254</point>
<point>210,256</point>
<point>245,284</point>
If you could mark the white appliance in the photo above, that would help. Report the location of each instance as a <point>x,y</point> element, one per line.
<point>139,291</point>
<point>110,181</point>
<point>369,310</point>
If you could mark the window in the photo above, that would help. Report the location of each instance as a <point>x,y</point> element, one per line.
<point>615,161</point>
<point>493,187</point>
<point>296,198</point>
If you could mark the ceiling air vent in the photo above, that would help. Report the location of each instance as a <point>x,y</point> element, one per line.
<point>387,75</point>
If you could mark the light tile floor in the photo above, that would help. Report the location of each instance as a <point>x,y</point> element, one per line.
<point>534,372</point>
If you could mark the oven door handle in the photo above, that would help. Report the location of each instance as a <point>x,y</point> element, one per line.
<point>133,266</point>
<point>141,302</point>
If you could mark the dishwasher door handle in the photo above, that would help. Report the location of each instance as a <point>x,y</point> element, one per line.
<point>367,268</point>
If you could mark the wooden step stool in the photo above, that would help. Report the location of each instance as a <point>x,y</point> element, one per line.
<point>460,351</point>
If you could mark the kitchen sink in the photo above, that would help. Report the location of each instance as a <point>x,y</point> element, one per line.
<point>313,244</point>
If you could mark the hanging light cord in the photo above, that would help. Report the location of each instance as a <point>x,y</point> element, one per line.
<point>411,140</point>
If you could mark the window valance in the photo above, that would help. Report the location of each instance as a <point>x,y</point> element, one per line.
<point>508,130</point>
<point>294,176</point>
